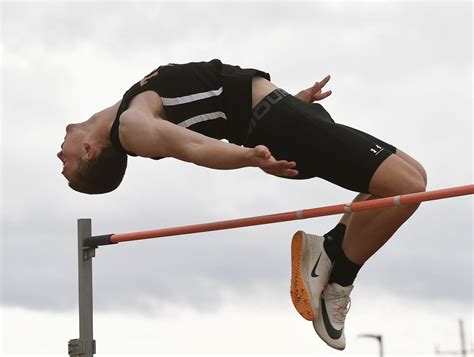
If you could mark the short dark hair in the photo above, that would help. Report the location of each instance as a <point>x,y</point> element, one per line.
<point>102,174</point>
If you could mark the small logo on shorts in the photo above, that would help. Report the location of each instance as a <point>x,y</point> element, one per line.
<point>376,151</point>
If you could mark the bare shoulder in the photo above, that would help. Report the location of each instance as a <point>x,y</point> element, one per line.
<point>141,118</point>
<point>149,102</point>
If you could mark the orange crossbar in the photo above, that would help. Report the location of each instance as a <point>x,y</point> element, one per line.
<point>294,215</point>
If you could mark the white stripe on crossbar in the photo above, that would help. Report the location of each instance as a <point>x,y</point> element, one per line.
<point>203,117</point>
<point>192,97</point>
<point>348,207</point>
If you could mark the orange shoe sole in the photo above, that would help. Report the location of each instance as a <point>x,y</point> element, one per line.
<point>299,294</point>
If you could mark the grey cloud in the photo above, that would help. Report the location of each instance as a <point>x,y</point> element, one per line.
<point>387,61</point>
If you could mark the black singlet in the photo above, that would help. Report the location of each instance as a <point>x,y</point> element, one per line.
<point>211,98</point>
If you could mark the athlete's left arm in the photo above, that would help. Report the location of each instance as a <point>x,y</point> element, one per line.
<point>315,92</point>
<point>150,136</point>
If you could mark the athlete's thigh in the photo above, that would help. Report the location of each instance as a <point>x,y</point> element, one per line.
<point>401,154</point>
<point>372,138</point>
<point>297,132</point>
<point>352,159</point>
<point>322,113</point>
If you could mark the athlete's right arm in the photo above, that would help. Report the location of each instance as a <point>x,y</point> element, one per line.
<point>148,136</point>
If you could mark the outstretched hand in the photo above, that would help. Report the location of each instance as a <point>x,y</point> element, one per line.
<point>265,161</point>
<point>315,92</point>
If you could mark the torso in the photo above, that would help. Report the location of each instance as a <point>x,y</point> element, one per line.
<point>210,98</point>
<point>260,89</point>
<point>151,102</point>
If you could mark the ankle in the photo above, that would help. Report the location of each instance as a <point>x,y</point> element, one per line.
<point>333,241</point>
<point>344,271</point>
<point>337,233</point>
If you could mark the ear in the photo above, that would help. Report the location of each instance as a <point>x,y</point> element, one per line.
<point>90,152</point>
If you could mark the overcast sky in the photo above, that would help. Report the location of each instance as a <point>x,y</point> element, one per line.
<point>400,70</point>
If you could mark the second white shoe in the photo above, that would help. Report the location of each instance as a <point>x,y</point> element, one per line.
<point>334,305</point>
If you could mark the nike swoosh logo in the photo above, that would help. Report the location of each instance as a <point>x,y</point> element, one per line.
<point>332,332</point>
<point>313,272</point>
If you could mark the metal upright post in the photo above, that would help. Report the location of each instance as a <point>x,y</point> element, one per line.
<point>463,340</point>
<point>463,351</point>
<point>84,346</point>
<point>377,337</point>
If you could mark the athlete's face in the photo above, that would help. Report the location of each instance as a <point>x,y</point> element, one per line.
<point>71,149</point>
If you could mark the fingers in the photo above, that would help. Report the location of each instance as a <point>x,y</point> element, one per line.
<point>319,95</point>
<point>316,90</point>
<point>271,166</point>
<point>325,80</point>
<point>286,173</point>
<point>289,171</point>
<point>281,168</point>
<point>318,86</point>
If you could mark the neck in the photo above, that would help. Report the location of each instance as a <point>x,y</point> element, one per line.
<point>99,124</point>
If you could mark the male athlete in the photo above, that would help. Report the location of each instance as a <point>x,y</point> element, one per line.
<point>185,110</point>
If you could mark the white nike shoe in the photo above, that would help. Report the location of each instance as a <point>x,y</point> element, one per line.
<point>329,324</point>
<point>310,269</point>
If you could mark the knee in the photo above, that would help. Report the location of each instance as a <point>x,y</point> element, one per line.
<point>413,163</point>
<point>396,177</point>
<point>424,175</point>
<point>421,170</point>
<point>415,183</point>
<point>409,183</point>
<point>411,179</point>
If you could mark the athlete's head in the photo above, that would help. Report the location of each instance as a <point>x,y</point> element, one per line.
<point>90,163</point>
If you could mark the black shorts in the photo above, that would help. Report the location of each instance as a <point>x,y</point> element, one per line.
<point>306,133</point>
